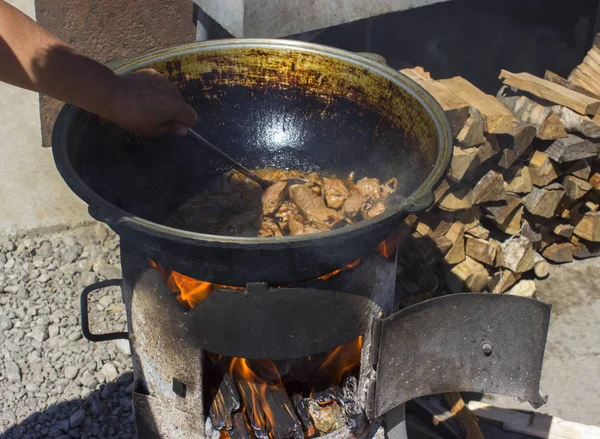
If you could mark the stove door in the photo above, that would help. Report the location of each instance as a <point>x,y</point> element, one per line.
<point>473,342</point>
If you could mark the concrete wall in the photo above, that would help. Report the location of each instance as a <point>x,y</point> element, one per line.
<point>113,29</point>
<point>32,193</point>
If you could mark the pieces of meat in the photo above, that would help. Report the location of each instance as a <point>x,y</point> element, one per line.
<point>313,207</point>
<point>354,204</point>
<point>272,198</point>
<point>285,212</point>
<point>269,228</point>
<point>373,189</point>
<point>336,192</point>
<point>297,226</point>
<point>370,210</point>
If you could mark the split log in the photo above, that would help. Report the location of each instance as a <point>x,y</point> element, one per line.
<point>456,109</point>
<point>497,118</point>
<point>502,281</point>
<point>458,198</point>
<point>585,249</point>
<point>500,213</point>
<point>575,188</point>
<point>574,122</point>
<point>544,201</point>
<point>595,181</point>
<point>590,207</point>
<point>489,188</point>
<point>588,227</point>
<point>456,234</point>
<point>442,190</point>
<point>512,225</point>
<point>499,260</point>
<point>564,230</point>
<point>557,79</point>
<point>469,217</point>
<point>518,254</point>
<point>443,244</point>
<point>517,179</point>
<point>587,74</point>
<point>551,92</point>
<point>479,232</point>
<point>488,149</point>
<point>432,225</point>
<point>559,252</point>
<point>464,417</point>
<point>525,288</point>
<point>481,250</point>
<point>541,268</point>
<point>520,137</point>
<point>327,418</point>
<point>582,169</point>
<point>469,275</point>
<point>546,123</point>
<point>572,148</point>
<point>241,429</point>
<point>507,158</point>
<point>463,160</point>
<point>224,404</point>
<point>279,422</point>
<point>541,169</point>
<point>528,232</point>
<point>301,406</point>
<point>472,132</point>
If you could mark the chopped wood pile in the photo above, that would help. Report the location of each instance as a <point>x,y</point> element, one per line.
<point>523,189</point>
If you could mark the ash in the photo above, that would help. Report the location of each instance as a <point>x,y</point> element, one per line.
<point>53,382</point>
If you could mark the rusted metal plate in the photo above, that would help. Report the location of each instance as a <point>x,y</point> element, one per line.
<point>462,342</point>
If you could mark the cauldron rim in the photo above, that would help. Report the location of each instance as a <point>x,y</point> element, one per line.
<point>104,211</point>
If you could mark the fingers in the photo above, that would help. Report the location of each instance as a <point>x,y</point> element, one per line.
<point>186,115</point>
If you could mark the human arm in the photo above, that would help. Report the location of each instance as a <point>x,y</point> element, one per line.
<point>143,102</point>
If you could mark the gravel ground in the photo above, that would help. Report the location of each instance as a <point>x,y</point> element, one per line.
<point>53,382</point>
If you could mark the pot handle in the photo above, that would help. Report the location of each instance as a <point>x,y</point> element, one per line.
<point>85,321</point>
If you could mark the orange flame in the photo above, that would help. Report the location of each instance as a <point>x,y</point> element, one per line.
<point>333,273</point>
<point>341,360</point>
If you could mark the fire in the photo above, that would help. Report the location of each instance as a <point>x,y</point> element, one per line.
<point>192,291</point>
<point>341,360</point>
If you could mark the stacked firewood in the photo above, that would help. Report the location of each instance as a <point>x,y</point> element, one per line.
<point>524,184</point>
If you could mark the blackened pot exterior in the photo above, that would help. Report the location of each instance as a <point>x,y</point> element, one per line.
<point>202,71</point>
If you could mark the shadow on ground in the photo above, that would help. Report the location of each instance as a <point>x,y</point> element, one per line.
<point>105,413</point>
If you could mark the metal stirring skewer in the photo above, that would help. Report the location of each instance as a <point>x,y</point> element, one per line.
<point>191,134</point>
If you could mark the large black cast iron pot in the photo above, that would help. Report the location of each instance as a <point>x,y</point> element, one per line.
<point>268,103</point>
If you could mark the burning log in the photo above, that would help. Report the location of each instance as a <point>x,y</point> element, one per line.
<point>267,404</point>
<point>301,406</point>
<point>224,404</point>
<point>241,429</point>
<point>465,418</point>
<point>327,418</point>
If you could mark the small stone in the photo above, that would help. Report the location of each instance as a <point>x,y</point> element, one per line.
<point>9,264</point>
<point>35,273</point>
<point>105,301</point>
<point>5,323</point>
<point>69,240</point>
<point>23,293</point>
<point>39,333</point>
<point>107,271</point>
<point>75,335</point>
<point>87,278</point>
<point>67,269</point>
<point>34,357</point>
<point>125,379</point>
<point>77,418</point>
<point>97,408</point>
<point>88,380</point>
<point>125,402</point>
<point>12,371</point>
<point>12,289</point>
<point>110,372</point>
<point>43,278</point>
<point>53,331</point>
<point>71,372</point>
<point>108,390</point>
<point>64,425</point>
<point>123,346</point>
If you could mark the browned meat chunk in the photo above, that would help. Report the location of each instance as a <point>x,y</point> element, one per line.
<point>313,206</point>
<point>371,210</point>
<point>354,203</point>
<point>272,198</point>
<point>370,187</point>
<point>285,212</point>
<point>336,192</point>
<point>269,228</point>
<point>297,226</point>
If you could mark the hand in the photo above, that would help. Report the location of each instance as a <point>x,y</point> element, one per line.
<point>147,103</point>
